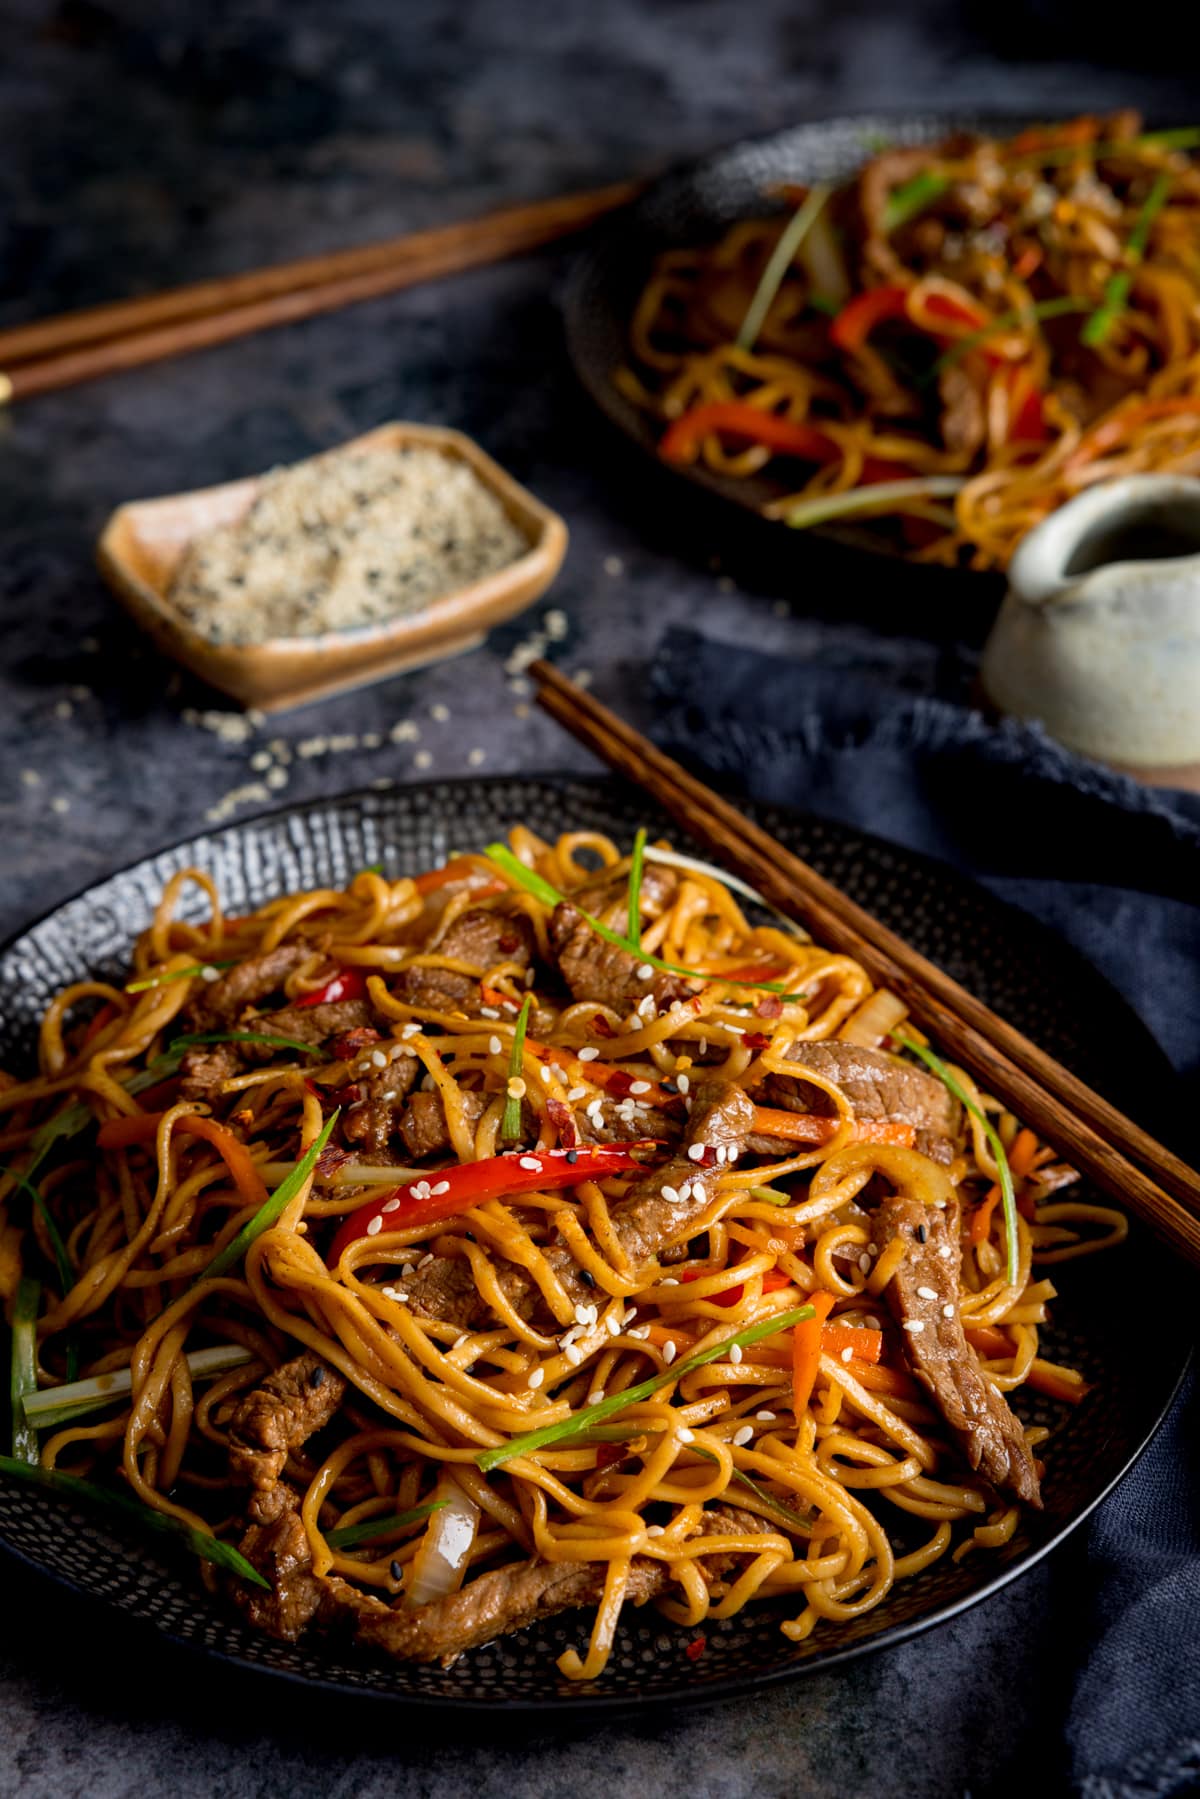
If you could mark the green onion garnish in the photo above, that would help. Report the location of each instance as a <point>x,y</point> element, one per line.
<point>912,197</point>
<point>1116,288</point>
<point>1007,1194</point>
<point>175,974</point>
<point>370,1528</point>
<point>1185,137</point>
<point>307,1049</point>
<point>774,1196</point>
<point>51,1406</point>
<point>515,869</point>
<point>208,1548</point>
<point>23,1379</point>
<point>636,864</point>
<point>510,1124</point>
<point>795,1520</point>
<point>270,1209</point>
<point>581,1422</point>
<point>879,496</point>
<point>781,260</point>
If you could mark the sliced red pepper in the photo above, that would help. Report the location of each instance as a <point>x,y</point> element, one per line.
<point>347,983</point>
<point>772,1281</point>
<point>464,869</point>
<point>787,436</point>
<point>857,320</point>
<point>444,1194</point>
<point>1029,425</point>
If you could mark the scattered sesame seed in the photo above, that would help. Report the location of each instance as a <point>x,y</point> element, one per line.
<point>544,1074</point>
<point>654,1530</point>
<point>404,732</point>
<point>686,1435</point>
<point>696,1152</point>
<point>682,1082</point>
<point>640,1331</point>
<point>530,1162</point>
<point>646,1007</point>
<point>668,1280</point>
<point>614,1324</point>
<point>440,712</point>
<point>913,1326</point>
<point>847,1354</point>
<point>765,1417</point>
<point>261,761</point>
<point>441,1187</point>
<point>639,1087</point>
<point>476,758</point>
<point>59,804</point>
<point>210,974</point>
<point>536,1377</point>
<point>577,1093</point>
<point>31,777</point>
<point>573,1354</point>
<point>276,778</point>
<point>735,1353</point>
<point>495,1045</point>
<point>390,1205</point>
<point>926,1293</point>
<point>63,709</point>
<point>488,1012</point>
<point>671,1195</point>
<point>422,759</point>
<point>864,1263</point>
<point>400,1298</point>
<point>426,1259</point>
<point>702,1047</point>
<point>645,971</point>
<point>375,1226</point>
<point>595,1396</point>
<point>743,1436</point>
<point>945,1252</point>
<point>685,1192</point>
<point>412,1029</point>
<point>669,1352</point>
<point>947,1311</point>
<point>588,1053</point>
<point>378,1058</point>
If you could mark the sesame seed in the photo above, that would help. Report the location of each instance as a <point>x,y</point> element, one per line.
<point>375,1226</point>
<point>682,1082</point>
<point>400,1298</point>
<point>544,1072</point>
<point>685,1191</point>
<point>847,1354</point>
<point>588,1053</point>
<point>476,758</point>
<point>743,1436</point>
<point>59,804</point>
<point>671,1195</point>
<point>926,1293</point>
<point>722,1152</point>
<point>686,1435</point>
<point>595,1396</point>
<point>872,1324</point>
<point>426,1259</point>
<point>629,1314</point>
<point>765,1417</point>
<point>645,972</point>
<point>640,1331</point>
<point>913,1326</point>
<point>488,1012</point>
<point>412,1029</point>
<point>614,1324</point>
<point>495,1045</point>
<point>378,1058</point>
<point>702,1047</point>
<point>516,1090</point>
<point>613,566</point>
<point>696,1152</point>
<point>639,1086</point>
<point>422,759</point>
<point>945,1252</point>
<point>577,1093</point>
<point>440,713</point>
<point>573,1354</point>
<point>391,1205</point>
<point>669,1352</point>
<point>947,1311</point>
<point>441,1187</point>
<point>530,1162</point>
<point>735,1353</point>
<point>646,1007</point>
<point>864,1263</point>
<point>668,1280</point>
<point>654,1530</point>
<point>536,1377</point>
<point>210,974</point>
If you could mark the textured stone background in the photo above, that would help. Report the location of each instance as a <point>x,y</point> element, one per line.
<point>147,144</point>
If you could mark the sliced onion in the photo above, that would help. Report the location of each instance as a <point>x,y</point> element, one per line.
<point>878,496</point>
<point>673,859</point>
<point>879,1013</point>
<point>440,1564</point>
<point>821,258</point>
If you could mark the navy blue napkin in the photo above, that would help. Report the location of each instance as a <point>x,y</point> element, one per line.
<point>878,735</point>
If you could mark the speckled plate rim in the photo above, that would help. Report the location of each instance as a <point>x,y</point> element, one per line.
<point>633,232</point>
<point>567,1709</point>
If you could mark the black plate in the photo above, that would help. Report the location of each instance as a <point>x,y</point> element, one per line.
<point>1012,963</point>
<point>694,205</point>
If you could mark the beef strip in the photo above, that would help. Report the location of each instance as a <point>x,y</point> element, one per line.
<point>479,936</point>
<point>311,1024</point>
<point>510,1598</point>
<point>938,1353</point>
<point>595,969</point>
<point>964,421</point>
<point>217,1006</point>
<point>203,1070</point>
<point>280,1551</point>
<point>878,1086</point>
<point>422,1123</point>
<point>658,1210</point>
<point>373,1120</point>
<point>276,1417</point>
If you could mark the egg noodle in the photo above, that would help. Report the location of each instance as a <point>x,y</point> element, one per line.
<point>808,1464</point>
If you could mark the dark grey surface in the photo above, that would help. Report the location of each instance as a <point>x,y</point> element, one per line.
<point>150,144</point>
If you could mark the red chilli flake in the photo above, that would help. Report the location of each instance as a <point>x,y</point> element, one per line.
<point>755,1040</point>
<point>349,1044</point>
<point>563,1120</point>
<point>696,1648</point>
<point>601,1026</point>
<point>769,1006</point>
<point>332,1158</point>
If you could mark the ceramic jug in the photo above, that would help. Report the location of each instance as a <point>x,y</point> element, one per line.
<point>1099,634</point>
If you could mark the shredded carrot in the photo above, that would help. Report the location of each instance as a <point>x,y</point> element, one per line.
<point>120,1133</point>
<point>603,1074</point>
<point>865,1345</point>
<point>807,1127</point>
<point>661,1334</point>
<point>990,1342</point>
<point>460,869</point>
<point>1024,1156</point>
<point>981,1219</point>
<point>806,1352</point>
<point>1056,1382</point>
<point>883,1380</point>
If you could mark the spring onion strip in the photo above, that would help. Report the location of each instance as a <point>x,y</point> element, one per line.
<point>879,496</point>
<point>175,974</point>
<point>353,1174</point>
<point>510,1124</point>
<point>270,1210</point>
<point>1007,1194</point>
<point>673,859</point>
<point>781,260</point>
<point>370,1528</point>
<point>1185,137</point>
<point>1116,288</point>
<point>636,863</point>
<point>208,1548</point>
<point>912,197</point>
<point>515,869</point>
<point>774,1196</point>
<point>795,1520</point>
<point>1007,321</point>
<point>23,1381</point>
<point>580,1422</point>
<point>77,1397</point>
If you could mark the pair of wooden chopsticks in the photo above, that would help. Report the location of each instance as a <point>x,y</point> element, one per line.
<point>101,340</point>
<point>1113,1151</point>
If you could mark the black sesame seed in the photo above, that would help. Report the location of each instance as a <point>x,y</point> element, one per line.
<point>572,1156</point>
<point>921,1233</point>
<point>317,1377</point>
<point>397,1572</point>
<point>589,1280</point>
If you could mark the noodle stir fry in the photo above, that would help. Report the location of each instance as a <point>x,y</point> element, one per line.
<point>436,1255</point>
<point>958,341</point>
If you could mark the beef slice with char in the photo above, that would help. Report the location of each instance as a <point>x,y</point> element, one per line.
<point>987,1431</point>
<point>597,970</point>
<point>280,1551</point>
<point>372,1120</point>
<point>878,1086</point>
<point>275,1418</point>
<point>218,1005</point>
<point>481,937</point>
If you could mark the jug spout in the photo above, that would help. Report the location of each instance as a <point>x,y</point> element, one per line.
<point>1099,634</point>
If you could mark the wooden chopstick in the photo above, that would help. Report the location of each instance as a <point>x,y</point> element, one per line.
<point>79,346</point>
<point>1098,1139</point>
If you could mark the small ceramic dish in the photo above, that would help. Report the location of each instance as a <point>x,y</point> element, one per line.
<point>143,542</point>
